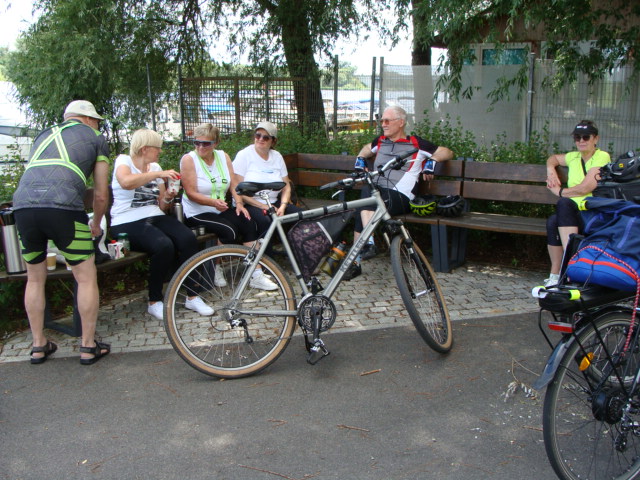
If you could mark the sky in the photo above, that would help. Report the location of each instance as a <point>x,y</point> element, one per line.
<point>15,17</point>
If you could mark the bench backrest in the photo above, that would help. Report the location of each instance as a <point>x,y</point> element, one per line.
<point>508,182</point>
<point>314,170</point>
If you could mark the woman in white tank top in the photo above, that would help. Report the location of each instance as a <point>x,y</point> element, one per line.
<point>208,178</point>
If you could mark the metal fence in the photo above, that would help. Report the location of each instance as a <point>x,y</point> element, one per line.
<point>237,104</point>
<point>611,102</point>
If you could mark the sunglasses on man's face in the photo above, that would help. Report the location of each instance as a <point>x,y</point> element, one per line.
<point>203,143</point>
<point>266,138</point>
<point>577,137</point>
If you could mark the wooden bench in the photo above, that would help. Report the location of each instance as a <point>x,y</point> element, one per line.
<point>315,170</point>
<point>486,181</point>
<point>496,182</point>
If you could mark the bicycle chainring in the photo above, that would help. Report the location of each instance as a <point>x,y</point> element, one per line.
<point>314,306</point>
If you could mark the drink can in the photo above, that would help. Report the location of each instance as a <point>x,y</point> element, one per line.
<point>360,164</point>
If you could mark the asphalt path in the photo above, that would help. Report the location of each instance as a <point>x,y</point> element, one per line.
<point>381,406</point>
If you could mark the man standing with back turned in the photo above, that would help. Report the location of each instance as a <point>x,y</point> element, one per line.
<point>49,205</point>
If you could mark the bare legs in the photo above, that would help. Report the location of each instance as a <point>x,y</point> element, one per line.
<point>87,298</point>
<point>556,252</point>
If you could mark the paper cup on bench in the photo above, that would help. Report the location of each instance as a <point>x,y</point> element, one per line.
<point>174,185</point>
<point>51,261</point>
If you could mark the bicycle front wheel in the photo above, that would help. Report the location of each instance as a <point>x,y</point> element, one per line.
<point>228,344</point>
<point>591,418</point>
<point>421,295</point>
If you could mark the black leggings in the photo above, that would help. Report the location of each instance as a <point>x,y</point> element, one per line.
<point>397,204</point>
<point>567,215</point>
<point>264,221</point>
<point>160,237</point>
<point>228,226</point>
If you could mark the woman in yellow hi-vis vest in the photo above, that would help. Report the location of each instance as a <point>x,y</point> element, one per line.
<point>584,169</point>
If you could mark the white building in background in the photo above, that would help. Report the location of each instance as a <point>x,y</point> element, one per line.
<point>14,135</point>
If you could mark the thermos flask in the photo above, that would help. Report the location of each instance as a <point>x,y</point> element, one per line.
<point>13,260</point>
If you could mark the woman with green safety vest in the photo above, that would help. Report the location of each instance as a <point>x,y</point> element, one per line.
<point>207,177</point>
<point>584,167</point>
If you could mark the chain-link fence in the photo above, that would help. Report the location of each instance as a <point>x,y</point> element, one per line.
<point>237,104</point>
<point>611,102</point>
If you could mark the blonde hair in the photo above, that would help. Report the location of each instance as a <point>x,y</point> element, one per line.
<point>207,130</point>
<point>144,138</point>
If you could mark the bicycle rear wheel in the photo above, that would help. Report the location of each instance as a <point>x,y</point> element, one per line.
<point>228,344</point>
<point>421,295</point>
<point>590,418</point>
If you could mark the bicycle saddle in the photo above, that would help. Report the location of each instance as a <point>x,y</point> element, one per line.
<point>250,188</point>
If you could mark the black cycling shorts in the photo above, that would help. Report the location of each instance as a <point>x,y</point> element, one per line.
<point>69,230</point>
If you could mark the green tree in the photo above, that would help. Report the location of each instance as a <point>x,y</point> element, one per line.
<point>293,32</point>
<point>4,56</point>
<point>609,28</point>
<point>100,51</point>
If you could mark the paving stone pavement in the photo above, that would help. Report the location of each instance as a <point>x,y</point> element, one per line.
<point>366,302</point>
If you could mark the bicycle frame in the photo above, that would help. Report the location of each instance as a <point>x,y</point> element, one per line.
<point>380,214</point>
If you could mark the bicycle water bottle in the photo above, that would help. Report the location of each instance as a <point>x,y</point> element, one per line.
<point>331,264</point>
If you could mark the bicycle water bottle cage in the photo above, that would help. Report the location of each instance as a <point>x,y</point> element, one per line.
<point>249,189</point>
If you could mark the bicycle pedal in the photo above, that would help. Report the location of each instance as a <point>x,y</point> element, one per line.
<point>316,355</point>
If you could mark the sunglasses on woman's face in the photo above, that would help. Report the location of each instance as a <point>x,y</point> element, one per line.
<point>202,143</point>
<point>266,138</point>
<point>577,137</point>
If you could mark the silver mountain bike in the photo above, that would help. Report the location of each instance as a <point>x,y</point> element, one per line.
<point>251,328</point>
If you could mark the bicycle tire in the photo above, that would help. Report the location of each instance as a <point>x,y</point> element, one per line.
<point>213,345</point>
<point>421,294</point>
<point>583,424</point>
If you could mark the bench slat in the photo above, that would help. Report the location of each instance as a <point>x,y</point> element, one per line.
<point>507,192</point>
<point>498,223</point>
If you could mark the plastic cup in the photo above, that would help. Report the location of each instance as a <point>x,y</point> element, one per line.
<point>51,261</point>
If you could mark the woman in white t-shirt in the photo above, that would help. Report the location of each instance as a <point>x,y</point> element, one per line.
<point>140,201</point>
<point>261,163</point>
<point>207,175</point>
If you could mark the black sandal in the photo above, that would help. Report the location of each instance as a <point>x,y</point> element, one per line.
<point>96,351</point>
<point>48,349</point>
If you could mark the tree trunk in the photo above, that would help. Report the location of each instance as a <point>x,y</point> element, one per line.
<point>298,51</point>
<point>421,61</point>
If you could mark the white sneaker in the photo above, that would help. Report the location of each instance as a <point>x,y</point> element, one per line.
<point>552,281</point>
<point>262,282</point>
<point>218,279</point>
<point>155,310</point>
<point>197,304</point>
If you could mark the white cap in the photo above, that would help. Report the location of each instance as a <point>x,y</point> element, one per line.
<point>83,108</point>
<point>269,127</point>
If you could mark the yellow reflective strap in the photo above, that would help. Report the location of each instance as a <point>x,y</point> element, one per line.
<point>56,136</point>
<point>574,294</point>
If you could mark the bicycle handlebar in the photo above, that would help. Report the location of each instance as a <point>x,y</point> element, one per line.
<point>396,162</point>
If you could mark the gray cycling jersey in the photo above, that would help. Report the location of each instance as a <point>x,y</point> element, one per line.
<point>62,159</point>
